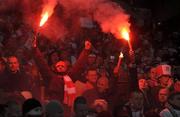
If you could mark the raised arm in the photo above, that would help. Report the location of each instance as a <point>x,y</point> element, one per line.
<point>79,66</point>
<point>46,72</point>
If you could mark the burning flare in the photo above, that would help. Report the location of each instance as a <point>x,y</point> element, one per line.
<point>125,34</point>
<point>44,19</point>
<point>48,9</point>
<point>121,55</point>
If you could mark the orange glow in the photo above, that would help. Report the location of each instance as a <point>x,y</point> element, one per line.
<point>125,34</point>
<point>121,55</point>
<point>44,19</point>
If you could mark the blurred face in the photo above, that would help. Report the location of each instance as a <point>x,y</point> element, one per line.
<point>143,84</point>
<point>35,112</point>
<point>137,101</point>
<point>81,110</point>
<point>61,67</point>
<point>54,57</point>
<point>92,76</point>
<point>164,81</point>
<point>13,64</point>
<point>176,101</point>
<point>99,61</point>
<point>91,60</point>
<point>152,73</point>
<point>177,86</point>
<point>102,84</point>
<point>163,95</point>
<point>14,111</point>
<point>2,67</point>
<point>100,105</point>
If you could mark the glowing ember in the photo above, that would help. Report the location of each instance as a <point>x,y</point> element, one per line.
<point>44,19</point>
<point>121,55</point>
<point>125,34</point>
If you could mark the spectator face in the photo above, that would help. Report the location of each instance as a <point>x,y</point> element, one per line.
<point>99,61</point>
<point>176,101</point>
<point>163,94</point>
<point>81,110</point>
<point>137,101</point>
<point>163,80</point>
<point>91,60</point>
<point>61,67</point>
<point>2,67</point>
<point>143,84</point>
<point>13,64</point>
<point>177,86</point>
<point>92,76</point>
<point>152,73</point>
<point>102,84</point>
<point>14,110</point>
<point>100,105</point>
<point>54,57</point>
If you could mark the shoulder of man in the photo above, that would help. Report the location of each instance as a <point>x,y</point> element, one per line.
<point>165,113</point>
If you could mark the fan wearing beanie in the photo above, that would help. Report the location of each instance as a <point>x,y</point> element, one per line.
<point>32,108</point>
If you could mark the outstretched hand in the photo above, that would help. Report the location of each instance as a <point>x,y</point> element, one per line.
<point>88,45</point>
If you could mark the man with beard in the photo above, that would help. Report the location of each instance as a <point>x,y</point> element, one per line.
<point>173,110</point>
<point>61,83</point>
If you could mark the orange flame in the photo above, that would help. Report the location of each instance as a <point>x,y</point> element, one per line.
<point>44,18</point>
<point>125,34</point>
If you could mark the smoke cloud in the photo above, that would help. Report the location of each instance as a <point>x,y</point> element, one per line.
<point>109,15</point>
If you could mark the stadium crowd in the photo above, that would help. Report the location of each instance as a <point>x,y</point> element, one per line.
<point>82,75</point>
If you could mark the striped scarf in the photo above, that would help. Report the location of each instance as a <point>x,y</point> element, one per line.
<point>69,91</point>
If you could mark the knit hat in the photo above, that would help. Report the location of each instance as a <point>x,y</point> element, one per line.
<point>29,105</point>
<point>54,107</point>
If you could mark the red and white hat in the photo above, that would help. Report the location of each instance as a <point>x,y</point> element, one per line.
<point>163,70</point>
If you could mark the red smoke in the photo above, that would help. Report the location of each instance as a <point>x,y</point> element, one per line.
<point>109,15</point>
<point>112,18</point>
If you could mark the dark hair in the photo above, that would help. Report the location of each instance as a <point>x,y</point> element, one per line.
<point>90,69</point>
<point>9,56</point>
<point>50,62</point>
<point>172,95</point>
<point>2,61</point>
<point>79,100</point>
<point>3,109</point>
<point>135,91</point>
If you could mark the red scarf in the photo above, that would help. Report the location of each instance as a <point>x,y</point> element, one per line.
<point>69,91</point>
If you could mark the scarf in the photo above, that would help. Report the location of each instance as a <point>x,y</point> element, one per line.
<point>69,91</point>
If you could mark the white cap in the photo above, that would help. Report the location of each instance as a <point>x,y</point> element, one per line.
<point>163,70</point>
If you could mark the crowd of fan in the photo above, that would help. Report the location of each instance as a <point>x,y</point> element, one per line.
<point>80,76</point>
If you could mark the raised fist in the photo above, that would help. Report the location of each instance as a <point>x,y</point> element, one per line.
<point>88,45</point>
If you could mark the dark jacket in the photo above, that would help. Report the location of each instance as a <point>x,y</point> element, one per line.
<point>12,84</point>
